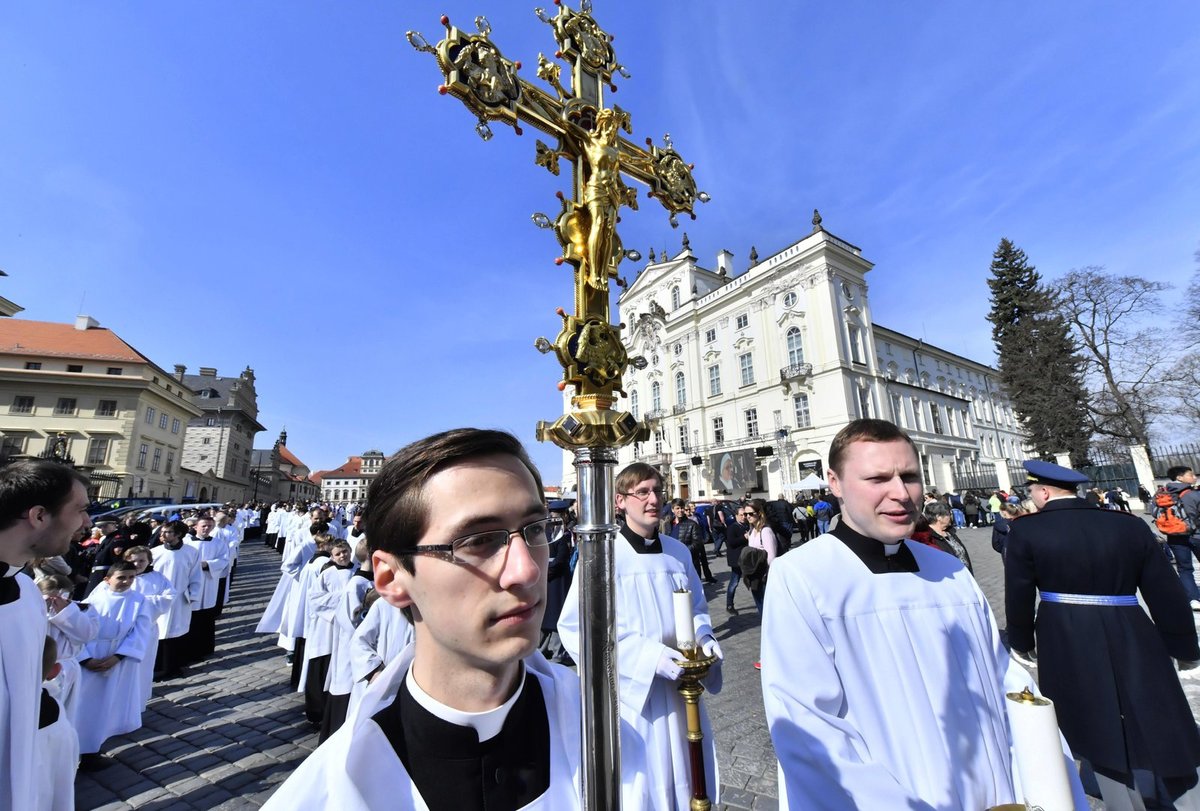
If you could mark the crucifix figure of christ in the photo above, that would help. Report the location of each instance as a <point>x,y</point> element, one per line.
<point>587,133</point>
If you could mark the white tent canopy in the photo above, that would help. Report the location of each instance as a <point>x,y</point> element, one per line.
<point>810,482</point>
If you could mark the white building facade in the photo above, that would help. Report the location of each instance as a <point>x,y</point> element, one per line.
<point>765,367</point>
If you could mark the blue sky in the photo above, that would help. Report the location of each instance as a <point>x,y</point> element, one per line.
<point>279,185</point>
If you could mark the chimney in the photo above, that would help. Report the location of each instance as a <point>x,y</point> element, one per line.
<point>208,371</point>
<point>724,262</point>
<point>180,371</point>
<point>85,322</point>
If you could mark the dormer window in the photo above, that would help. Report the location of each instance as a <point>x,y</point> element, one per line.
<point>675,298</point>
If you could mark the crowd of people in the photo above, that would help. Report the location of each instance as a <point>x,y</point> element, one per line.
<point>426,632</point>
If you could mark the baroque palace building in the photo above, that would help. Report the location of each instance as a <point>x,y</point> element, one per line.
<point>751,375</point>
<point>348,483</point>
<point>79,393</point>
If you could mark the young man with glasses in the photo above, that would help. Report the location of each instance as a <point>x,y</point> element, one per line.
<point>470,715</point>
<point>647,568</point>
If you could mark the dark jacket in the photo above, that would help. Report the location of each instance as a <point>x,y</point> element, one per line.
<point>1107,668</point>
<point>687,532</point>
<point>558,574</point>
<point>735,542</point>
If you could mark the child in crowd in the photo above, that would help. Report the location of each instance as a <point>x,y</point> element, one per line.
<point>110,692</point>
<point>346,618</point>
<point>56,743</point>
<point>180,565</point>
<point>379,638</point>
<point>72,626</point>
<point>324,595</point>
<point>159,593</point>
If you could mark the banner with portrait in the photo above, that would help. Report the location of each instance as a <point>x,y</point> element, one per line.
<point>733,471</point>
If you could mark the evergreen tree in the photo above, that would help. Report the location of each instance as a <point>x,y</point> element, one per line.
<point>1039,361</point>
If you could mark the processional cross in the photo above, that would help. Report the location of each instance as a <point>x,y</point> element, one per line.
<point>589,347</point>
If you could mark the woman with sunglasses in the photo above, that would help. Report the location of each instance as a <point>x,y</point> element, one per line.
<point>760,536</point>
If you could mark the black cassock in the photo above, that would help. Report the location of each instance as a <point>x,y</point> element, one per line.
<point>1107,668</point>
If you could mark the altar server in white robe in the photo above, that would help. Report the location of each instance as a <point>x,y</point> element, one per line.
<point>296,619</point>
<point>43,505</point>
<point>275,616</point>
<point>214,562</point>
<point>325,592</point>
<point>883,673</point>
<point>470,716</point>
<point>72,626</point>
<point>160,594</point>
<point>179,564</point>
<point>227,531</point>
<point>347,615</point>
<point>647,569</point>
<point>382,634</point>
<point>57,743</point>
<point>110,692</point>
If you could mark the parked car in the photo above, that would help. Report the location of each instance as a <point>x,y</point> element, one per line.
<point>170,509</point>
<point>108,505</point>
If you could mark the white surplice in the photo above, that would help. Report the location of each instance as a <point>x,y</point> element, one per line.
<point>110,703</point>
<point>383,633</point>
<point>22,640</point>
<point>233,539</point>
<point>346,618</point>
<point>57,759</point>
<point>160,594</point>
<point>358,770</point>
<point>655,768</point>
<point>290,566</point>
<point>182,568</point>
<point>215,552</point>
<point>884,690</point>
<point>72,628</point>
<point>324,594</point>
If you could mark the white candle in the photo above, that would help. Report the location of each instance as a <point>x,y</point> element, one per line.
<point>685,630</point>
<point>1041,767</point>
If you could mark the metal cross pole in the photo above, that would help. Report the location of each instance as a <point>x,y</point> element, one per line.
<point>588,134</point>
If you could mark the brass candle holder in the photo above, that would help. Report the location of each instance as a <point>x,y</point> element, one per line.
<point>695,668</point>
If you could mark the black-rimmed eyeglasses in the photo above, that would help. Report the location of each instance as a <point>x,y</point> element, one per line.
<point>643,493</point>
<point>479,548</point>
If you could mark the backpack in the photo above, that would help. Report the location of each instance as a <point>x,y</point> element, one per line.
<point>824,511</point>
<point>1169,515</point>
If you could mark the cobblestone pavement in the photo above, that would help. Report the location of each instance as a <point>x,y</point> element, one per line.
<point>228,733</point>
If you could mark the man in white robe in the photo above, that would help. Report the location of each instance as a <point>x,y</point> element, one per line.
<point>214,563</point>
<point>382,633</point>
<point>43,505</point>
<point>647,569</point>
<point>228,532</point>
<point>883,673</point>
<point>471,716</point>
<point>180,564</point>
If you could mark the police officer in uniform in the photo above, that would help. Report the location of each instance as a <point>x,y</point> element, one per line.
<point>1106,664</point>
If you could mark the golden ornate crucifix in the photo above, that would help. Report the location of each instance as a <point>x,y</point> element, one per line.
<point>588,134</point>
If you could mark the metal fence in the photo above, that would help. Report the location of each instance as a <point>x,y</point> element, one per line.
<point>1164,458</point>
<point>1107,471</point>
<point>981,476</point>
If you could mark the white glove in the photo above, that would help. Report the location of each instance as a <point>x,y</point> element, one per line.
<point>668,668</point>
<point>710,647</point>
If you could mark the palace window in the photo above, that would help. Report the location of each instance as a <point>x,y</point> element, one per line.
<point>74,367</point>
<point>742,321</point>
<point>795,349</point>
<point>803,416</point>
<point>162,420</point>
<point>150,412</point>
<point>789,299</point>
<point>633,404</point>
<point>856,352</point>
<point>106,408</point>
<point>746,364</point>
<point>751,422</point>
<point>33,364</point>
<point>114,370</point>
<point>97,453</point>
<point>143,451</point>
<point>65,405</point>
<point>680,389</point>
<point>21,405</point>
<point>718,425</point>
<point>175,426</point>
<point>655,396</point>
<point>156,465</point>
<point>675,298</point>
<point>710,336</point>
<point>714,380</point>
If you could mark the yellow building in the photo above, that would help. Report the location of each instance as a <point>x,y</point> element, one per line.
<point>78,391</point>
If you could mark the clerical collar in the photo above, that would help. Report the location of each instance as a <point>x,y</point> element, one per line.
<point>643,546</point>
<point>879,558</point>
<point>8,571</point>
<point>487,724</point>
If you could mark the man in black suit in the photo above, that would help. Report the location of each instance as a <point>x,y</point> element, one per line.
<point>1105,664</point>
